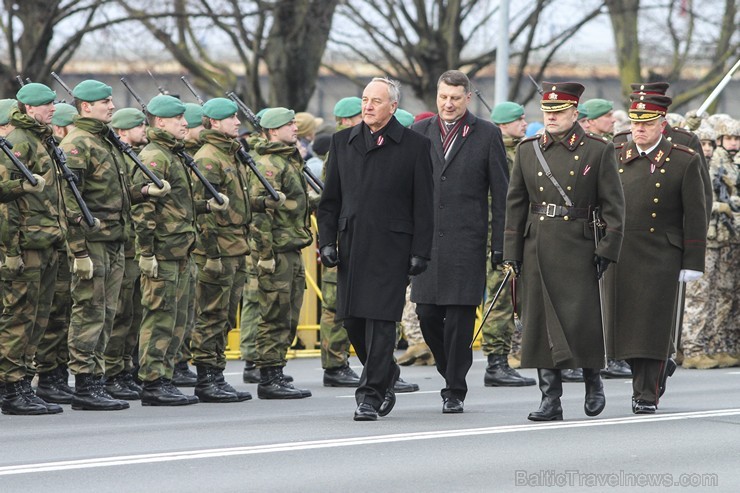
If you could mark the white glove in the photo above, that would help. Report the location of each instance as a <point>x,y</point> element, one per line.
<point>267,265</point>
<point>39,187</point>
<point>271,203</point>
<point>213,266</point>
<point>83,267</point>
<point>688,275</point>
<point>149,266</point>
<point>215,206</point>
<point>153,190</point>
<point>15,264</point>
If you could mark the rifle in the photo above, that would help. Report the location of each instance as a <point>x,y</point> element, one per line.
<point>6,147</point>
<point>61,161</point>
<point>133,93</point>
<point>20,80</point>
<point>241,154</point>
<point>159,87</point>
<point>480,96</point>
<point>539,87</point>
<point>493,302</point>
<point>723,195</point>
<point>599,226</point>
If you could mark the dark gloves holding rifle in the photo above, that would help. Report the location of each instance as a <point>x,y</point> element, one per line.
<point>329,256</point>
<point>601,263</point>
<point>417,265</point>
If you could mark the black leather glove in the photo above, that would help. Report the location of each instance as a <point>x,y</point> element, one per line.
<point>497,259</point>
<point>329,256</point>
<point>417,265</point>
<point>514,265</point>
<point>601,263</point>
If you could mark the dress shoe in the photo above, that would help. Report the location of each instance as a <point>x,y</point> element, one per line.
<point>17,402</point>
<point>551,386</point>
<point>572,375</point>
<point>643,407</point>
<point>389,400</point>
<point>668,371</point>
<point>273,386</point>
<point>616,368</point>
<point>452,405</point>
<point>207,390</point>
<point>117,388</point>
<point>415,352</point>
<point>183,376</point>
<point>403,387</point>
<point>251,373</point>
<point>595,400</point>
<point>50,388</point>
<point>158,393</point>
<point>500,374</point>
<point>365,412</point>
<point>700,362</point>
<point>90,395</point>
<point>343,376</point>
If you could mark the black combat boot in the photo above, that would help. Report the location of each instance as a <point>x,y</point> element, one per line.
<point>551,387</point>
<point>241,396</point>
<point>251,373</point>
<point>157,393</point>
<point>170,387</point>
<point>272,385</point>
<point>595,399</point>
<point>90,395</point>
<point>118,389</point>
<point>208,390</point>
<point>288,380</point>
<point>31,395</point>
<point>500,374</point>
<point>128,379</point>
<point>183,376</point>
<point>343,376</point>
<point>63,380</point>
<point>17,402</point>
<point>50,388</point>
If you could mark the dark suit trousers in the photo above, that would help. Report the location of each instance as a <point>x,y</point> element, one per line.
<point>374,341</point>
<point>448,331</point>
<point>646,378</point>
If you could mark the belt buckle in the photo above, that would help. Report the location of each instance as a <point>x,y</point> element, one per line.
<point>550,211</point>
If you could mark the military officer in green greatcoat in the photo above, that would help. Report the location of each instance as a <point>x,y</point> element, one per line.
<point>558,180</point>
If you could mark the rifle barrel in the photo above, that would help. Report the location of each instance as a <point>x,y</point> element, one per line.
<point>6,147</point>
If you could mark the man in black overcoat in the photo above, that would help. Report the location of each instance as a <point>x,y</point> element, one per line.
<point>375,223</point>
<point>469,162</point>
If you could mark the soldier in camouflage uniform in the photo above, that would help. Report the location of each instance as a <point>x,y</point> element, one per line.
<point>710,326</point>
<point>52,353</point>
<point>277,240</point>
<point>222,251</point>
<point>599,115</point>
<point>97,267</point>
<point>120,352</point>
<point>499,331</point>
<point>33,228</point>
<point>165,236</point>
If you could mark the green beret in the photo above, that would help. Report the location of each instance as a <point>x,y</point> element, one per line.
<point>63,114</point>
<point>92,90</point>
<point>219,108</point>
<point>348,107</point>
<point>277,117</point>
<point>6,106</point>
<point>404,117</point>
<point>582,113</point>
<point>127,118</point>
<point>506,112</point>
<point>35,94</point>
<point>595,108</point>
<point>193,115</point>
<point>261,112</point>
<point>165,106</point>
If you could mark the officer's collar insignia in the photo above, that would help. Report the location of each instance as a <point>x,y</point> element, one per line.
<point>380,140</point>
<point>572,140</point>
<point>628,155</point>
<point>659,156</point>
<point>466,130</point>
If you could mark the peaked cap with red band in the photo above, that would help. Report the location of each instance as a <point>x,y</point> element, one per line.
<point>558,96</point>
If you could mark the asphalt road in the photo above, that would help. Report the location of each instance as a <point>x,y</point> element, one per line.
<point>313,445</point>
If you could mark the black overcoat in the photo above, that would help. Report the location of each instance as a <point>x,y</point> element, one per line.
<point>475,166</point>
<point>377,207</point>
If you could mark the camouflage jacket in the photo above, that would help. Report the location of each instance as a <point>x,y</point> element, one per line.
<point>287,228</point>
<point>129,248</point>
<point>99,168</point>
<point>11,189</point>
<point>192,146</point>
<point>510,144</point>
<point>224,234</point>
<point>724,228</point>
<point>165,226</point>
<point>34,221</point>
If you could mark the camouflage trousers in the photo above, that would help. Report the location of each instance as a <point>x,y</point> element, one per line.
<point>94,303</point>
<point>163,318</point>
<point>410,321</point>
<point>334,340</point>
<point>122,345</point>
<point>499,332</point>
<point>709,326</point>
<point>250,314</point>
<point>27,298</point>
<point>280,298</point>
<point>52,351</point>
<point>217,298</point>
<point>183,352</point>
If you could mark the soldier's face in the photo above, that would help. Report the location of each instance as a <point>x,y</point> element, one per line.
<point>100,110</point>
<point>177,126</point>
<point>515,129</point>
<point>227,126</point>
<point>452,102</point>
<point>603,124</point>
<point>707,146</point>
<point>134,136</point>
<point>647,134</point>
<point>41,114</point>
<point>731,142</point>
<point>377,108</point>
<point>287,134</point>
<point>559,122</point>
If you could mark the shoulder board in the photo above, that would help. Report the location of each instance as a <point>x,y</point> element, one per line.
<point>679,147</point>
<point>534,137</point>
<point>682,130</point>
<point>619,145</point>
<point>599,138</point>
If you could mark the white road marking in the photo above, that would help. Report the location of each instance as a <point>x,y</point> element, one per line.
<point>418,392</point>
<point>126,460</point>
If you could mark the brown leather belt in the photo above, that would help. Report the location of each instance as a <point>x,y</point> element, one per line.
<point>553,210</point>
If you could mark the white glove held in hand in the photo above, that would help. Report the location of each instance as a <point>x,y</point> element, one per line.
<point>15,264</point>
<point>215,206</point>
<point>149,266</point>
<point>687,275</point>
<point>266,265</point>
<point>153,190</point>
<point>37,188</point>
<point>83,267</point>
